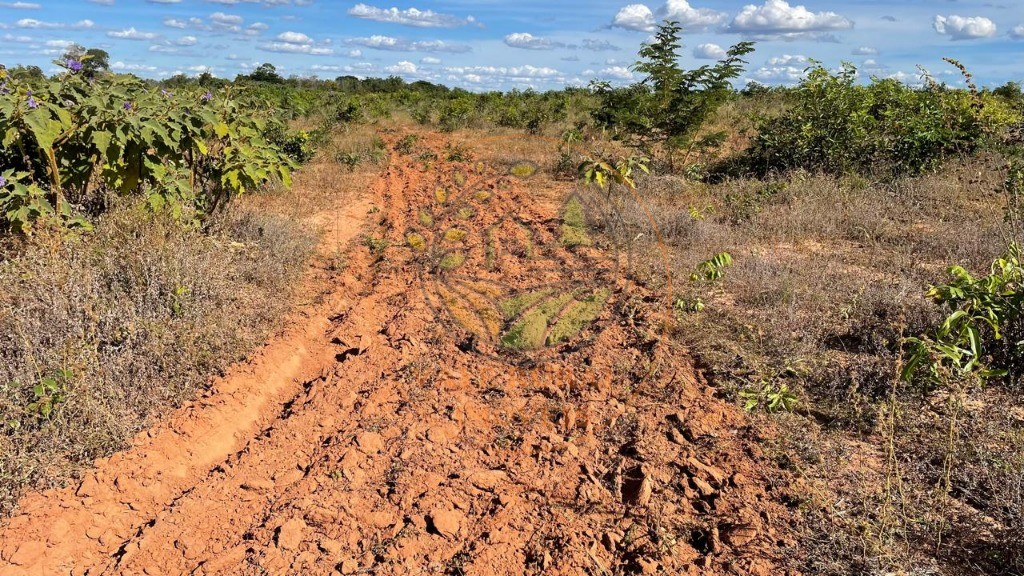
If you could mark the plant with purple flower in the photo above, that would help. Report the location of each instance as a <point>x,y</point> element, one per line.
<point>3,88</point>
<point>74,65</point>
<point>207,97</point>
<point>3,181</point>
<point>127,106</point>
<point>32,104</point>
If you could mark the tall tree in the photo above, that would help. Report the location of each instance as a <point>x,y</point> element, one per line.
<point>266,72</point>
<point>668,108</point>
<point>93,61</point>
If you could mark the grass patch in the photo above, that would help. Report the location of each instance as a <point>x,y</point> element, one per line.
<point>528,333</point>
<point>523,169</point>
<point>452,260</point>
<point>574,224</point>
<point>98,333</point>
<point>515,306</point>
<point>455,235</point>
<point>578,316</point>
<point>416,241</point>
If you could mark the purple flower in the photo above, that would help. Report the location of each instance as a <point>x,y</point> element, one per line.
<point>166,93</point>
<point>3,181</point>
<point>207,97</point>
<point>32,104</point>
<point>127,106</point>
<point>3,88</point>
<point>74,65</point>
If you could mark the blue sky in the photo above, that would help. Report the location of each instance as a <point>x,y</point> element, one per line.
<point>488,44</point>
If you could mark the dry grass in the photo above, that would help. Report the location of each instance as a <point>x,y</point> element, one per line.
<point>140,313</point>
<point>143,311</point>
<point>828,275</point>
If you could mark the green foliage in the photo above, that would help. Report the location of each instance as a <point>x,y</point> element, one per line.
<point>836,125</point>
<point>705,274</point>
<point>981,338</point>
<point>266,72</point>
<point>94,61</point>
<point>712,269</point>
<point>50,393</point>
<point>604,172</point>
<point>457,153</point>
<point>69,140</point>
<point>773,397</point>
<point>671,105</point>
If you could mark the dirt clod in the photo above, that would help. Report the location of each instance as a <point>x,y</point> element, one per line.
<point>291,533</point>
<point>445,523</point>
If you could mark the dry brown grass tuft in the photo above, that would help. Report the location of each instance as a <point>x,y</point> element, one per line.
<point>829,274</point>
<point>139,313</point>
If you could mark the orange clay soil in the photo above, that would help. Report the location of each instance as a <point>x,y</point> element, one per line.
<point>377,436</point>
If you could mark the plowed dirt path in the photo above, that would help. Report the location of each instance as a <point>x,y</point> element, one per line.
<point>375,436</point>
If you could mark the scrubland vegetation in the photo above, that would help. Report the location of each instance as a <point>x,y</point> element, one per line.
<point>846,256</point>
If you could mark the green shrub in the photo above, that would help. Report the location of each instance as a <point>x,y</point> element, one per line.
<point>670,106</point>
<point>68,141</point>
<point>837,126</point>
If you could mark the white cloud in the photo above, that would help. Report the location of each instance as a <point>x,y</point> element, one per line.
<point>403,67</point>
<point>964,27</point>
<point>430,60</point>
<point>325,68</point>
<point>527,71</point>
<point>528,41</point>
<point>616,72</point>
<point>186,41</point>
<point>778,74</point>
<point>641,18</point>
<point>788,60</point>
<point>777,19</point>
<point>690,18</point>
<point>292,48</point>
<point>409,17</point>
<point>865,51</point>
<point>21,5</point>
<point>597,45</point>
<point>37,24</point>
<point>379,42</point>
<point>709,52</point>
<point>294,38</point>
<point>123,67</point>
<point>1017,32</point>
<point>132,34</point>
<point>226,19</point>
<point>634,17</point>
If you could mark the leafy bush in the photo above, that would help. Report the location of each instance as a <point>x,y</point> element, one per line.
<point>670,106</point>
<point>836,126</point>
<point>982,337</point>
<point>69,141</point>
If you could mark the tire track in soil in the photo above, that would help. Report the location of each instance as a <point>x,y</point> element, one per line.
<point>67,531</point>
<point>402,453</point>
